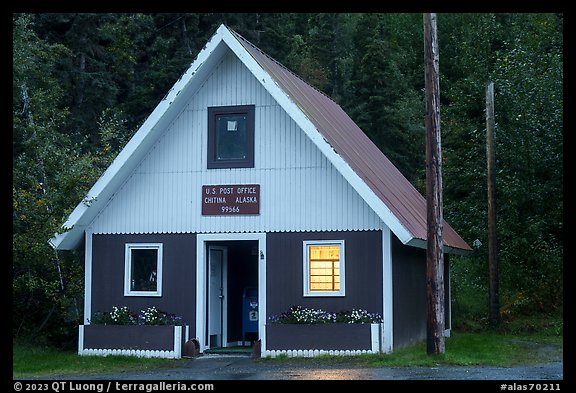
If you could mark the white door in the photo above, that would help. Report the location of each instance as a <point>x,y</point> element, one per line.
<point>217,261</point>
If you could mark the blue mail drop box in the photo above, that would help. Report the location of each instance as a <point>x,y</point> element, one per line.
<point>249,312</point>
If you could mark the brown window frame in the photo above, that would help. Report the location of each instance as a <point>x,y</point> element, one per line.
<point>213,113</point>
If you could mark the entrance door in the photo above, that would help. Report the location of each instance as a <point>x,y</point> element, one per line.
<point>226,310</point>
<point>217,295</point>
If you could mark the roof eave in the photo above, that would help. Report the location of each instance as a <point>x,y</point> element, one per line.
<point>127,160</point>
<point>421,243</point>
<point>300,118</point>
<point>70,240</point>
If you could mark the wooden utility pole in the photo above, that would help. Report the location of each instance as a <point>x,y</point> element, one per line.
<point>434,251</point>
<point>494,292</point>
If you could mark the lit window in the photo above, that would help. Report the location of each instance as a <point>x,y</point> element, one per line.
<point>324,268</point>
<point>231,137</point>
<point>143,269</point>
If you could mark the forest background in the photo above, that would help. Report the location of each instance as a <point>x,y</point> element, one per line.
<point>84,83</point>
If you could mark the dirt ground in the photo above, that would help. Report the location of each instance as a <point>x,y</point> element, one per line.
<point>242,367</point>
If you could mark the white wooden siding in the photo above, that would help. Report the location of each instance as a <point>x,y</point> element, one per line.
<point>299,188</point>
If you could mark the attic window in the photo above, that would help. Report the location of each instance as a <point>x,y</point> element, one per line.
<point>231,137</point>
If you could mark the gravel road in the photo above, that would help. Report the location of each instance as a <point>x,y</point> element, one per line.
<point>238,367</point>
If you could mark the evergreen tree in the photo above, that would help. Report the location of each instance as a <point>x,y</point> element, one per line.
<point>528,76</point>
<point>383,99</point>
<point>51,173</point>
<point>83,83</point>
<point>522,54</point>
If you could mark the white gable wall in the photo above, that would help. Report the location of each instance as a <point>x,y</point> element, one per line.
<point>300,189</point>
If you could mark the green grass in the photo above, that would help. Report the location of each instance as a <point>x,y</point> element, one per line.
<point>468,349</point>
<point>40,361</point>
<point>504,347</point>
<point>488,349</point>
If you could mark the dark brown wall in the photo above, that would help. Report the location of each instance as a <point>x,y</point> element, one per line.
<point>178,281</point>
<point>409,286</point>
<point>153,338</point>
<point>284,270</point>
<point>284,277</point>
<point>326,336</point>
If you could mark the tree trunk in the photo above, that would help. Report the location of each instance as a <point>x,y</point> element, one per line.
<point>494,294</point>
<point>434,251</point>
<point>81,81</point>
<point>185,37</point>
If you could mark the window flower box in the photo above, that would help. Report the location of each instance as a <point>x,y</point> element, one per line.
<point>323,338</point>
<point>164,341</point>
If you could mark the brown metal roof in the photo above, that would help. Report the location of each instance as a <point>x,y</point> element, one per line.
<point>354,146</point>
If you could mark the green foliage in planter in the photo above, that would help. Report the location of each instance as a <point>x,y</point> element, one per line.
<point>123,316</point>
<point>358,316</point>
<point>302,315</point>
<point>118,316</point>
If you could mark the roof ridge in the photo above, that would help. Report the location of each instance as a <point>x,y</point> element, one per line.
<point>239,36</point>
<point>353,154</point>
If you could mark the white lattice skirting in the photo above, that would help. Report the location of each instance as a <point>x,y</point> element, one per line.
<point>174,353</point>
<point>375,347</point>
<point>130,352</point>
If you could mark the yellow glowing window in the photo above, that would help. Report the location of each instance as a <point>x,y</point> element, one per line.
<point>324,268</point>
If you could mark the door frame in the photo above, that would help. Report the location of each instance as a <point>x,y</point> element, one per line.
<point>201,290</point>
<point>224,293</point>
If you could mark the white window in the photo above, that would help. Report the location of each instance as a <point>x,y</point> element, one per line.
<point>143,269</point>
<point>324,268</point>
